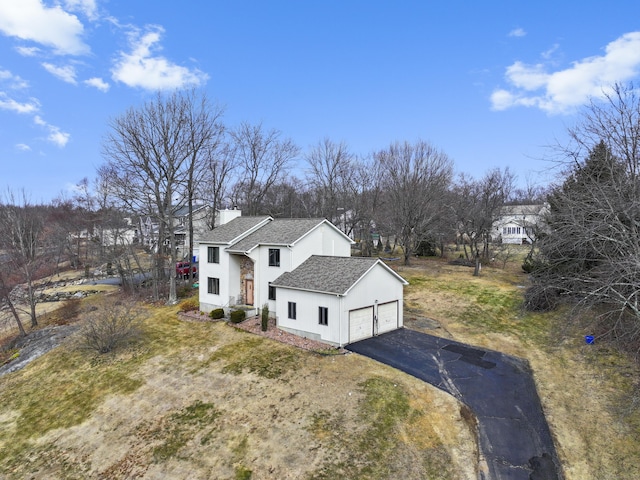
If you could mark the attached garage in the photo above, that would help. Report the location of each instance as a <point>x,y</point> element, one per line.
<point>339,300</point>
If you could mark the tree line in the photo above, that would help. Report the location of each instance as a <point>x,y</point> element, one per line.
<point>175,151</point>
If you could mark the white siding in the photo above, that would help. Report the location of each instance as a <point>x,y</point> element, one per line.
<point>214,270</point>
<point>306,323</point>
<point>324,240</point>
<point>263,273</point>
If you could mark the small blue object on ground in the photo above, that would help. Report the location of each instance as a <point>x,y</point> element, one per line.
<point>588,339</point>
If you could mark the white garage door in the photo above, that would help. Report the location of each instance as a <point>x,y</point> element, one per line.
<point>387,317</point>
<point>360,324</point>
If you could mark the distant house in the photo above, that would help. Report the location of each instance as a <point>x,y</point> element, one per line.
<point>516,223</point>
<point>149,230</point>
<point>245,261</point>
<point>201,216</point>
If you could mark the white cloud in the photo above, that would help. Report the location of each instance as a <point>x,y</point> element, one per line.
<point>28,51</point>
<point>51,26</point>
<point>98,83</point>
<point>23,147</point>
<point>56,136</point>
<point>14,81</point>
<point>517,32</point>
<point>7,103</point>
<point>564,90</point>
<point>142,68</point>
<point>66,73</point>
<point>548,54</point>
<point>87,7</point>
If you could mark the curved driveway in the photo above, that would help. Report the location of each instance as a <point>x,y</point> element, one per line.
<point>513,436</point>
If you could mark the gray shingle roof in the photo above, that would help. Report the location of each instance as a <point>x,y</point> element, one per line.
<point>326,274</point>
<point>230,231</point>
<point>281,231</point>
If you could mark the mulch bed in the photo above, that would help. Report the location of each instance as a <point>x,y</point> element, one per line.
<point>254,325</point>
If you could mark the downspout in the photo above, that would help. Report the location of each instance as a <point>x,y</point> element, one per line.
<point>340,319</point>
<point>375,318</point>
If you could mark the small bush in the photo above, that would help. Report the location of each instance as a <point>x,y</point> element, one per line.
<point>189,304</point>
<point>237,316</point>
<point>184,291</point>
<point>113,324</point>
<point>265,317</point>
<point>217,313</point>
<point>540,298</point>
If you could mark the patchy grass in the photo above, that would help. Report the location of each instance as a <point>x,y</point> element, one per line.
<point>181,427</point>
<point>62,389</point>
<point>257,355</point>
<point>380,449</point>
<point>203,400</point>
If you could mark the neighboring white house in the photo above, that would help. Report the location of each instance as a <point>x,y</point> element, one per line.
<point>242,258</point>
<point>516,223</point>
<point>339,300</point>
<point>202,217</point>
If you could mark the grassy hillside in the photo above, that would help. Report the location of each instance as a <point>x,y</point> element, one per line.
<point>203,400</point>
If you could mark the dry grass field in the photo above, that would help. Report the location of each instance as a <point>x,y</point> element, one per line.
<point>200,400</point>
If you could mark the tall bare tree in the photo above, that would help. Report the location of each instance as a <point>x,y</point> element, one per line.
<point>149,152</point>
<point>329,175</point>
<point>23,239</point>
<point>220,165</point>
<point>263,157</point>
<point>415,178</point>
<point>476,207</point>
<point>206,134</point>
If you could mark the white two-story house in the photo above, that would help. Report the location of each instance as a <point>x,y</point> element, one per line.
<point>245,261</point>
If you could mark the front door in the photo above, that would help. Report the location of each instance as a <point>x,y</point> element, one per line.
<point>249,292</point>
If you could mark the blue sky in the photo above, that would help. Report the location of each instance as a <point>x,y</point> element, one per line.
<point>490,83</point>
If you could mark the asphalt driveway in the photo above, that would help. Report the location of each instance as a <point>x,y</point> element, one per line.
<point>514,439</point>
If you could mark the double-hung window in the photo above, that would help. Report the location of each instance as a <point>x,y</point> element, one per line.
<point>213,285</point>
<point>292,310</point>
<point>323,315</point>
<point>274,257</point>
<point>213,254</point>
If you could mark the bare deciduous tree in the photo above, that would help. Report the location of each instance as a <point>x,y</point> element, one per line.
<point>415,178</point>
<point>476,205</point>
<point>330,176</point>
<point>149,152</point>
<point>23,238</point>
<point>263,157</point>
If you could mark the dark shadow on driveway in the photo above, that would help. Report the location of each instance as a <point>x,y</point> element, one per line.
<point>513,436</point>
